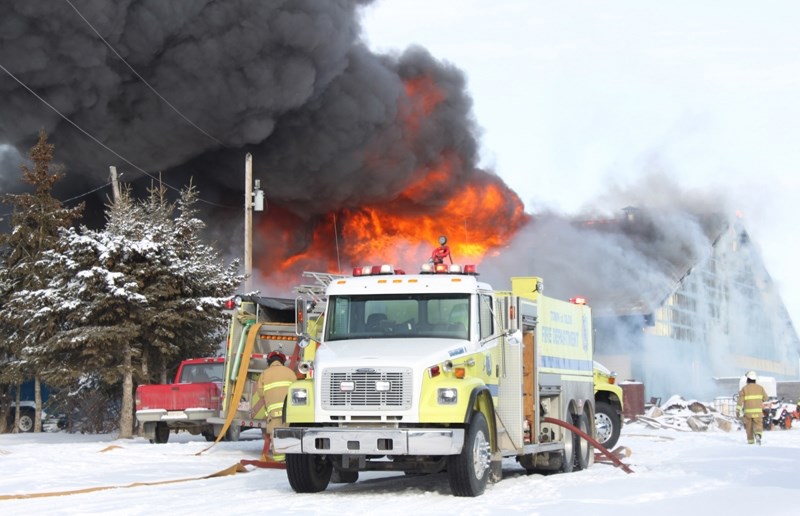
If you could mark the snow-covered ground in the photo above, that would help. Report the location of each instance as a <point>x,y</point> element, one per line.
<point>675,473</point>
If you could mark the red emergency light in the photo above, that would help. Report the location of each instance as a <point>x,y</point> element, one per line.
<point>578,300</point>
<point>374,270</point>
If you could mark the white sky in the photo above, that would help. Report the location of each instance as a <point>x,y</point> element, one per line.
<point>574,96</point>
<point>675,472</point>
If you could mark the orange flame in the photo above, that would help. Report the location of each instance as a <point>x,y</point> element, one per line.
<point>478,215</point>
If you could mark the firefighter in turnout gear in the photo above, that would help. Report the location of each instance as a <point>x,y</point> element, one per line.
<point>750,406</point>
<point>271,389</point>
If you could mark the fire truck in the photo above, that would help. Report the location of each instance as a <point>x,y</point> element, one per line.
<point>436,371</point>
<point>259,325</point>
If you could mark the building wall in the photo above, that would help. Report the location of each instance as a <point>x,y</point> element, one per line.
<point>723,318</point>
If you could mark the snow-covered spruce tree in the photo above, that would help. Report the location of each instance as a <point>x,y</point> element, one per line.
<point>36,219</point>
<point>144,292</point>
<point>185,296</point>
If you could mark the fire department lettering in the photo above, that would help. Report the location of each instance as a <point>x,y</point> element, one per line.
<point>559,336</point>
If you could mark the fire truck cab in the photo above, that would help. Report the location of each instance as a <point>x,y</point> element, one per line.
<point>437,371</point>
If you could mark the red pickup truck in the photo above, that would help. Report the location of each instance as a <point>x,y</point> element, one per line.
<point>185,404</point>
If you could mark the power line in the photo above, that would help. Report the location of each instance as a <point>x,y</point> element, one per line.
<point>142,78</point>
<point>106,147</point>
<point>87,193</point>
<point>3,215</point>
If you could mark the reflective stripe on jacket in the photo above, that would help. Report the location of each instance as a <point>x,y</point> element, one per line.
<point>751,398</point>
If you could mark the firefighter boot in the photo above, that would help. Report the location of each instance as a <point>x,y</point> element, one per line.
<point>758,439</point>
<point>266,452</point>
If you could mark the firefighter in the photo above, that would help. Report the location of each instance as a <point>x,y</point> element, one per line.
<point>272,386</point>
<point>750,406</point>
<point>440,253</point>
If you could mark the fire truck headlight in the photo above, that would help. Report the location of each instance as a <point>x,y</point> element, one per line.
<point>347,386</point>
<point>299,396</point>
<point>447,396</point>
<point>383,386</point>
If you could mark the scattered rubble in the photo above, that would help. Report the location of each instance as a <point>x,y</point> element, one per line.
<point>691,416</point>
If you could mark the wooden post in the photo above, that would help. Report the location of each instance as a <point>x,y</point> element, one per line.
<point>248,224</point>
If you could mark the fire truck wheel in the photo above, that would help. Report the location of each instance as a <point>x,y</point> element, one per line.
<point>308,473</point>
<point>568,460</point>
<point>162,433</point>
<point>583,451</point>
<point>607,424</point>
<point>469,470</point>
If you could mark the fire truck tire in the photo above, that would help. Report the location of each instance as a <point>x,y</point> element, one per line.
<point>162,433</point>
<point>568,460</point>
<point>584,454</point>
<point>308,473</point>
<point>469,470</point>
<point>607,425</point>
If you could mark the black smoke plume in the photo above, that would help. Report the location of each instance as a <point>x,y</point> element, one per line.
<point>289,81</point>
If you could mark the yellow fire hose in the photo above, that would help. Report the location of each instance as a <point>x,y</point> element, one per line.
<point>232,470</point>
<point>238,389</point>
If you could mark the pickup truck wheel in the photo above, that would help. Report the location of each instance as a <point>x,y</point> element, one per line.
<point>232,434</point>
<point>26,419</point>
<point>308,473</point>
<point>162,433</point>
<point>607,424</point>
<point>469,470</point>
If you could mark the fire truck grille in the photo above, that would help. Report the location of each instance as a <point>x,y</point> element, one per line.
<point>366,388</point>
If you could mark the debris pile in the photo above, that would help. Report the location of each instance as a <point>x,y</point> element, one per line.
<point>689,416</point>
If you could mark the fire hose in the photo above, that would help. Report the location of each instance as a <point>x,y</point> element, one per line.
<point>602,449</point>
<point>232,470</point>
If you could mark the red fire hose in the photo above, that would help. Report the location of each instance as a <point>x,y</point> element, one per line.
<point>591,441</point>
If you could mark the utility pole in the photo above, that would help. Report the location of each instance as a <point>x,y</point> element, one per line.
<point>114,183</point>
<point>253,200</point>
<point>248,223</point>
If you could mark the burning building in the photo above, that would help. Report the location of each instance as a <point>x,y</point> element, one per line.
<point>680,299</point>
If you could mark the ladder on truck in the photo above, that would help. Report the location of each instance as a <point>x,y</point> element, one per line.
<point>316,290</point>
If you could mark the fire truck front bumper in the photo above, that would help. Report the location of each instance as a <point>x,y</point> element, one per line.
<point>369,441</point>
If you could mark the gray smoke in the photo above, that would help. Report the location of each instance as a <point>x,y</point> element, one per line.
<point>291,82</point>
<point>627,255</point>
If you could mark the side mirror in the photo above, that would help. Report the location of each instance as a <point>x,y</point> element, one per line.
<point>514,338</point>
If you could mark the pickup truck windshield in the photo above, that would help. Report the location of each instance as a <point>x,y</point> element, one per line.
<point>202,373</point>
<point>398,316</point>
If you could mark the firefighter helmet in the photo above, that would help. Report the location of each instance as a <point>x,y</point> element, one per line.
<point>276,355</point>
<point>751,375</point>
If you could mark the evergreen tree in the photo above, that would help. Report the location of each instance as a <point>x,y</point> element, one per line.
<point>36,219</point>
<point>138,296</point>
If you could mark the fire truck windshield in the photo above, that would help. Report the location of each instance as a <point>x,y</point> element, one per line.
<point>398,316</point>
